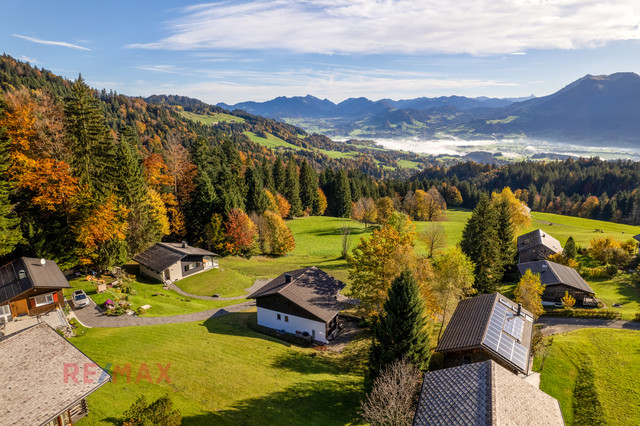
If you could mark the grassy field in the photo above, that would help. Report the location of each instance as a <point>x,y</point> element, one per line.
<point>615,358</point>
<point>163,302</point>
<point>224,373</point>
<point>225,282</point>
<point>211,118</point>
<point>621,289</point>
<point>270,141</point>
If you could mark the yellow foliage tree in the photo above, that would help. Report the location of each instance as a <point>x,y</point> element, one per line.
<point>520,214</point>
<point>529,292</point>
<point>568,300</point>
<point>563,260</point>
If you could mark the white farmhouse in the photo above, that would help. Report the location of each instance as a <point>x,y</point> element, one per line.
<point>303,302</point>
<point>174,261</point>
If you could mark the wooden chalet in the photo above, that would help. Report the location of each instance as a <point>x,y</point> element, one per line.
<point>537,245</point>
<point>558,279</point>
<point>488,327</point>
<point>31,287</point>
<point>305,302</point>
<point>169,262</point>
<point>45,379</point>
<point>483,393</point>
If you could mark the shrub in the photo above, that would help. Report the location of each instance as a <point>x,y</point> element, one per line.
<point>637,317</point>
<point>159,412</point>
<point>141,311</point>
<point>568,300</point>
<point>126,287</point>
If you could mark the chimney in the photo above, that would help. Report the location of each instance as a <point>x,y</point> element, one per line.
<point>43,261</point>
<point>287,278</point>
<point>519,309</point>
<point>184,244</point>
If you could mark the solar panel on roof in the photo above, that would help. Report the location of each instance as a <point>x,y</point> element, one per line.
<point>497,339</point>
<point>513,326</point>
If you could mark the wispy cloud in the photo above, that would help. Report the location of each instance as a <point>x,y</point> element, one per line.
<point>166,69</point>
<point>475,27</point>
<point>29,59</point>
<point>51,42</point>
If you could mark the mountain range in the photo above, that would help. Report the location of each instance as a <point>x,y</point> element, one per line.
<point>593,110</point>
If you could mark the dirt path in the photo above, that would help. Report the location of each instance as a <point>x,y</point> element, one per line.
<point>556,325</point>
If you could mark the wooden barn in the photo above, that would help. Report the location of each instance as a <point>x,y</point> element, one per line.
<point>537,245</point>
<point>558,279</point>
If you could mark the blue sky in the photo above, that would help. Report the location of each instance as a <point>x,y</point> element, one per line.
<point>233,51</point>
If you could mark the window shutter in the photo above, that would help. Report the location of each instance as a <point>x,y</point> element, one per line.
<point>33,302</point>
<point>55,296</point>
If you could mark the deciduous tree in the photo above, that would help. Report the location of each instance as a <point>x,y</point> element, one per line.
<point>529,292</point>
<point>434,237</point>
<point>240,232</point>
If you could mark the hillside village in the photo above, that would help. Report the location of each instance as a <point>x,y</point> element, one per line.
<point>169,262</point>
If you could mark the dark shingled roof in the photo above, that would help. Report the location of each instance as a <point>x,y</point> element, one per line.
<point>36,276</point>
<point>310,288</point>
<point>536,238</point>
<point>637,237</point>
<point>469,323</point>
<point>483,393</point>
<point>33,365</point>
<point>552,273</point>
<point>162,255</point>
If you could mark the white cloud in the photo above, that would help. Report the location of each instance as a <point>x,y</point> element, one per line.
<point>478,27</point>
<point>29,59</point>
<point>50,42</point>
<point>166,69</point>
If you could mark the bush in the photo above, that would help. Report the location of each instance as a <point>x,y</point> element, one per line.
<point>126,287</point>
<point>159,412</point>
<point>141,311</point>
<point>600,272</point>
<point>637,317</point>
<point>585,313</point>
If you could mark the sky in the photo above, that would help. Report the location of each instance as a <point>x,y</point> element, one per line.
<point>234,51</point>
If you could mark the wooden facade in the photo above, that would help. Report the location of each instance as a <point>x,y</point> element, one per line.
<point>473,355</point>
<point>71,416</point>
<point>28,304</point>
<point>555,293</point>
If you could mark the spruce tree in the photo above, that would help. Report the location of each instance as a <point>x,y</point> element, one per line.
<point>267,176</point>
<point>279,175</point>
<point>292,188</point>
<point>481,244</point>
<point>10,234</point>
<point>342,195</point>
<point>202,205</point>
<point>308,187</point>
<point>401,328</point>
<point>506,239</point>
<point>569,250</point>
<point>90,141</point>
<point>256,200</point>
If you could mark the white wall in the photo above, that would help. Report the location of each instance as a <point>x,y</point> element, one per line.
<point>269,318</point>
<point>151,273</point>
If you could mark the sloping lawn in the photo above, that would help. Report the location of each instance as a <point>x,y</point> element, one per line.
<point>620,289</point>
<point>163,302</point>
<point>222,372</point>
<point>223,281</point>
<point>615,358</point>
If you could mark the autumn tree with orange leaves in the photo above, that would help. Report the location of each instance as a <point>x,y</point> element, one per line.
<point>240,232</point>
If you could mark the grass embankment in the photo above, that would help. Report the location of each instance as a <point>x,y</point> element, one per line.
<point>224,373</point>
<point>223,281</point>
<point>614,358</point>
<point>163,302</point>
<point>211,118</point>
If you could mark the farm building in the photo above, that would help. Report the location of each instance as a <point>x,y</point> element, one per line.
<point>45,378</point>
<point>174,261</point>
<point>304,302</point>
<point>31,287</point>
<point>557,279</point>
<point>483,393</point>
<point>488,327</point>
<point>537,245</point>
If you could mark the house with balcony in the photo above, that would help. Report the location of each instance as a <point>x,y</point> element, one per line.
<point>170,262</point>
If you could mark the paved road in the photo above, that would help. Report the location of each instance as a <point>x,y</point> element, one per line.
<point>555,325</point>
<point>92,316</point>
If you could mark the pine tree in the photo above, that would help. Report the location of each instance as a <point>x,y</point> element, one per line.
<point>292,188</point>
<point>480,243</point>
<point>267,176</point>
<point>308,188</point>
<point>569,250</point>
<point>342,200</point>
<point>202,206</point>
<point>10,234</point>
<point>256,200</point>
<point>131,186</point>
<point>401,329</point>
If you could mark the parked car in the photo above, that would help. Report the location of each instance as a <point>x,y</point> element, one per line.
<point>547,304</point>
<point>80,299</point>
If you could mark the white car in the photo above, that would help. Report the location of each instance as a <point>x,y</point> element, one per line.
<point>80,299</point>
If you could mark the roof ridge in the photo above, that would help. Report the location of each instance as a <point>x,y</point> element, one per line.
<point>287,284</point>
<point>167,245</point>
<point>496,297</point>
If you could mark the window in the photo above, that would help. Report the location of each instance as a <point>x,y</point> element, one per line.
<point>45,299</point>
<point>278,316</point>
<point>286,318</point>
<point>5,313</point>
<point>189,267</point>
